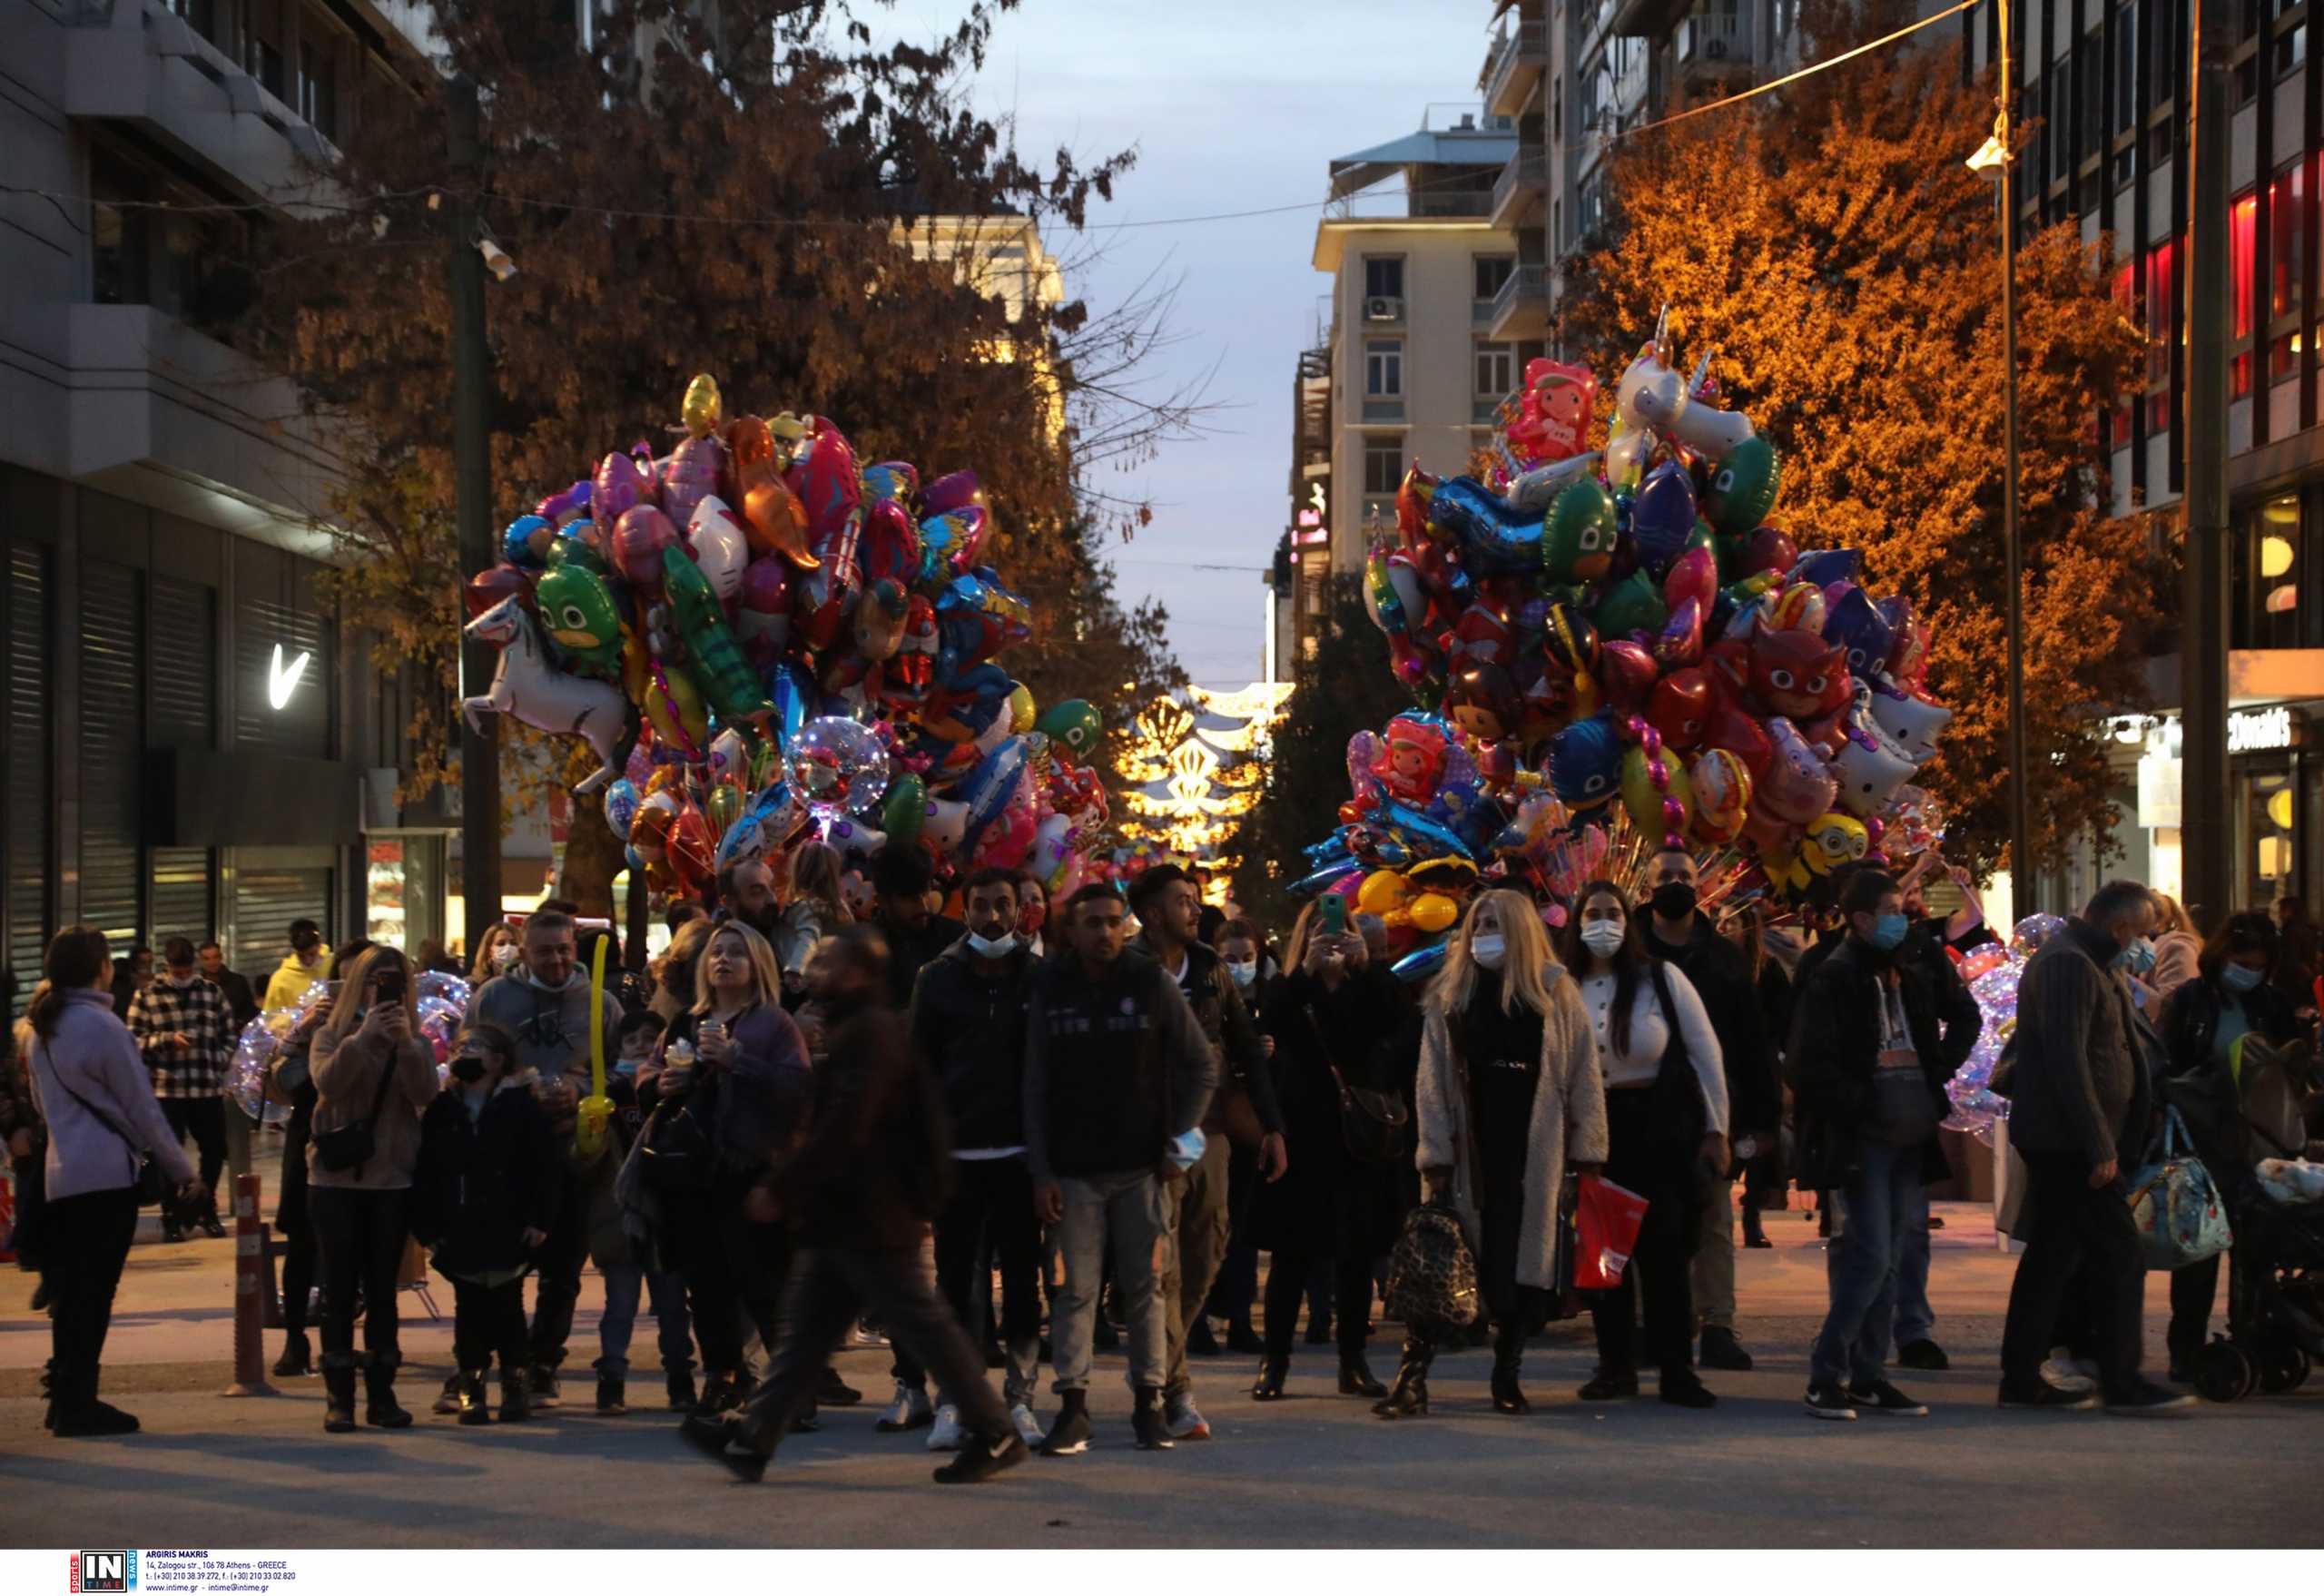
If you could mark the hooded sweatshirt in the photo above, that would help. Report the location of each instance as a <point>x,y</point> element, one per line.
<point>293,976</point>
<point>551,1025</point>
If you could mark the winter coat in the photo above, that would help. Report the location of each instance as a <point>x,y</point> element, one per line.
<point>2074,1082</point>
<point>1326,1204</point>
<point>346,1083</point>
<point>753,1108</point>
<point>1569,1122</point>
<point>1114,1067</point>
<point>969,1025</point>
<point>483,1181</point>
<point>1836,1048</point>
<point>97,1147</point>
<point>876,1165</point>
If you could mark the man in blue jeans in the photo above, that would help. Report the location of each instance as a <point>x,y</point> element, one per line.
<point>1872,1045</point>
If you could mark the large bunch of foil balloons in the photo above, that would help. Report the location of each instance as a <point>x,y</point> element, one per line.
<point>763,639</point>
<point>1613,650</point>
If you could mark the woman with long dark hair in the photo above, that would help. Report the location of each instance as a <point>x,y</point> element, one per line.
<point>93,1090</point>
<point>1665,1120</point>
<point>2233,995</point>
<point>1508,1096</point>
<point>291,1079</point>
<point>373,1074</point>
<point>1329,1016</point>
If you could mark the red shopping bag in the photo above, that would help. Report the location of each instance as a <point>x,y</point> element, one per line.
<point>1605,1220</point>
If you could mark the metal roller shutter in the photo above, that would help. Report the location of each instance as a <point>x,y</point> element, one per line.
<point>110,738</point>
<point>266,900</point>
<point>303,725</point>
<point>26,839</point>
<point>182,697</point>
<point>182,898</point>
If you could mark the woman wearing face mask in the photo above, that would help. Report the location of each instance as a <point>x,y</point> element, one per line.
<point>497,954</point>
<point>482,1198</point>
<point>1242,950</point>
<point>372,1070</point>
<point>1508,1094</point>
<point>736,1066</point>
<point>1328,1019</point>
<point>2232,996</point>
<point>1665,1117</point>
<point>1032,912</point>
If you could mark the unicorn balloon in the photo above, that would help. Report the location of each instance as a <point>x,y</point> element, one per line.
<point>1654,400</point>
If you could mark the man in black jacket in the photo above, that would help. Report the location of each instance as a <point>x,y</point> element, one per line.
<point>860,1193</point>
<point>1168,907</point>
<point>968,1020</point>
<point>1719,975</point>
<point>1872,1046</point>
<point>1118,1078</point>
<point>2079,1102</point>
<point>901,878</point>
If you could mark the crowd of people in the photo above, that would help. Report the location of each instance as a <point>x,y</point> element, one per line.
<point>1116,1108</point>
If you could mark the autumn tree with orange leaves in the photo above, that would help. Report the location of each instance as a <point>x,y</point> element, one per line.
<point>1828,244</point>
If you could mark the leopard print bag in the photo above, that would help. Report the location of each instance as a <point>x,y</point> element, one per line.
<point>1432,1275</point>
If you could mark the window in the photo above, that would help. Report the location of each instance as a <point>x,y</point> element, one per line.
<point>2126,68</point>
<point>2091,108</point>
<point>1384,368</point>
<point>2057,112</point>
<point>202,15</point>
<point>2266,556</point>
<point>263,50</point>
<point>2288,203</point>
<point>2241,248</point>
<point>120,238</point>
<point>1496,370</point>
<point>1492,272</point>
<point>1384,462</point>
<point>2161,316</point>
<point>2291,49</point>
<point>318,88</point>
<point>1383,277</point>
<point>1785,10</point>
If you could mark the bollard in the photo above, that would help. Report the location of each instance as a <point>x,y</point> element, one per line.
<point>250,1294</point>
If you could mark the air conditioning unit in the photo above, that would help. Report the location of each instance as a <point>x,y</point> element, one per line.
<point>1384,307</point>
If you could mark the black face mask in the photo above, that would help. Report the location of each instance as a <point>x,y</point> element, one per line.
<point>1673,900</point>
<point>468,1070</point>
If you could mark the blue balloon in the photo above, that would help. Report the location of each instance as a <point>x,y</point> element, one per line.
<point>986,790</point>
<point>1421,837</point>
<point>1664,516</point>
<point>622,799</point>
<point>795,697</point>
<point>1323,881</point>
<point>1494,540</point>
<point>1864,636</point>
<point>1827,565</point>
<point>1420,963</point>
<point>752,834</point>
<point>1586,761</point>
<point>516,541</point>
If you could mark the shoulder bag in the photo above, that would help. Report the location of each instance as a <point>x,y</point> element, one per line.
<point>1679,1117</point>
<point>1376,1126</point>
<point>152,1184</point>
<point>349,1147</point>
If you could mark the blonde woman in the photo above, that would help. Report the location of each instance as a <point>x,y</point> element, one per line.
<point>1509,1092</point>
<point>746,1086</point>
<point>813,908</point>
<point>496,954</point>
<point>373,1073</point>
<point>2177,947</point>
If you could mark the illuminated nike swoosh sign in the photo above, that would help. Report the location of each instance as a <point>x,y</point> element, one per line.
<point>280,682</point>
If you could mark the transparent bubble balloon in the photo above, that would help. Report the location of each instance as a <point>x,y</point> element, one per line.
<point>254,1053</point>
<point>439,1023</point>
<point>2032,932</point>
<point>837,766</point>
<point>435,983</point>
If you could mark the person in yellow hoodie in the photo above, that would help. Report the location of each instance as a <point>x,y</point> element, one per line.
<point>300,968</point>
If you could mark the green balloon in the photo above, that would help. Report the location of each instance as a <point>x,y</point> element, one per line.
<point>568,550</point>
<point>578,613</point>
<point>1632,604</point>
<point>1731,553</point>
<point>1743,488</point>
<point>906,811</point>
<point>1578,539</point>
<point>1073,729</point>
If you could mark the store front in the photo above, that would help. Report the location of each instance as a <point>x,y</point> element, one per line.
<point>2276,809</point>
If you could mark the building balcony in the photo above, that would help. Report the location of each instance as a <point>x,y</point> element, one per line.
<point>1518,60</point>
<point>159,413</point>
<point>1522,308</point>
<point>1647,19</point>
<point>136,61</point>
<point>1521,192</point>
<point>1712,47</point>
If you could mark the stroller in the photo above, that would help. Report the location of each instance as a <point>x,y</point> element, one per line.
<point>2275,1292</point>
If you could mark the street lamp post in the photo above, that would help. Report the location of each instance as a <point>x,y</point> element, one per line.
<point>1997,157</point>
<point>472,486</point>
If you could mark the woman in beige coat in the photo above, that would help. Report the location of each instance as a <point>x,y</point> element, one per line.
<point>370,1066</point>
<point>1509,1092</point>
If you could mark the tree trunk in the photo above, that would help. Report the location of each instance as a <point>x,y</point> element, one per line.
<point>593,857</point>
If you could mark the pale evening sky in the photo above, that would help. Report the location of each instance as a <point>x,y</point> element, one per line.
<point>1231,107</point>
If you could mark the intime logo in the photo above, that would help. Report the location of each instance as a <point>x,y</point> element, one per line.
<point>102,1571</point>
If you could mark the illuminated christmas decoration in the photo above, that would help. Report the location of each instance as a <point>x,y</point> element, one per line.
<point>1195,766</point>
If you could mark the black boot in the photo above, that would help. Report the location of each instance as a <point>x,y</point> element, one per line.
<point>1410,1398</point>
<point>339,1391</point>
<point>1507,1353</point>
<point>1356,1378</point>
<point>296,1357</point>
<point>1147,1422</point>
<point>1268,1386</point>
<point>472,1407</point>
<point>381,1409</point>
<point>515,1401</point>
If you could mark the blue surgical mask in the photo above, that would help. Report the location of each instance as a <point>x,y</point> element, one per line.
<point>626,1068</point>
<point>2138,957</point>
<point>2240,978</point>
<point>1888,931</point>
<point>1243,970</point>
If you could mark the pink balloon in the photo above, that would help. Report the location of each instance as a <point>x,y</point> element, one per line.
<point>618,485</point>
<point>639,537</point>
<point>1693,574</point>
<point>1681,642</point>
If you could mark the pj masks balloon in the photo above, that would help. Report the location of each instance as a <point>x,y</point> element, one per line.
<point>1864,637</point>
<point>1578,541</point>
<point>1586,761</point>
<point>1743,487</point>
<point>1798,675</point>
<point>1664,516</point>
<point>1681,708</point>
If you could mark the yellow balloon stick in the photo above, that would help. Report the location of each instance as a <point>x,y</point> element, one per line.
<point>590,1132</point>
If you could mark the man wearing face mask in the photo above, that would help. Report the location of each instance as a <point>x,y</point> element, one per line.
<point>1682,936</point>
<point>1872,1046</point>
<point>2079,1105</point>
<point>968,1020</point>
<point>1169,906</point>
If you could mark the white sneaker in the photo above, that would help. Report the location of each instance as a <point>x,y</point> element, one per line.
<point>910,1411</point>
<point>946,1435</point>
<point>2064,1372</point>
<point>1028,1428</point>
<point>1185,1421</point>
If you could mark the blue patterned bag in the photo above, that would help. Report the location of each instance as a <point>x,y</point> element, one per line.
<point>2176,1205</point>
